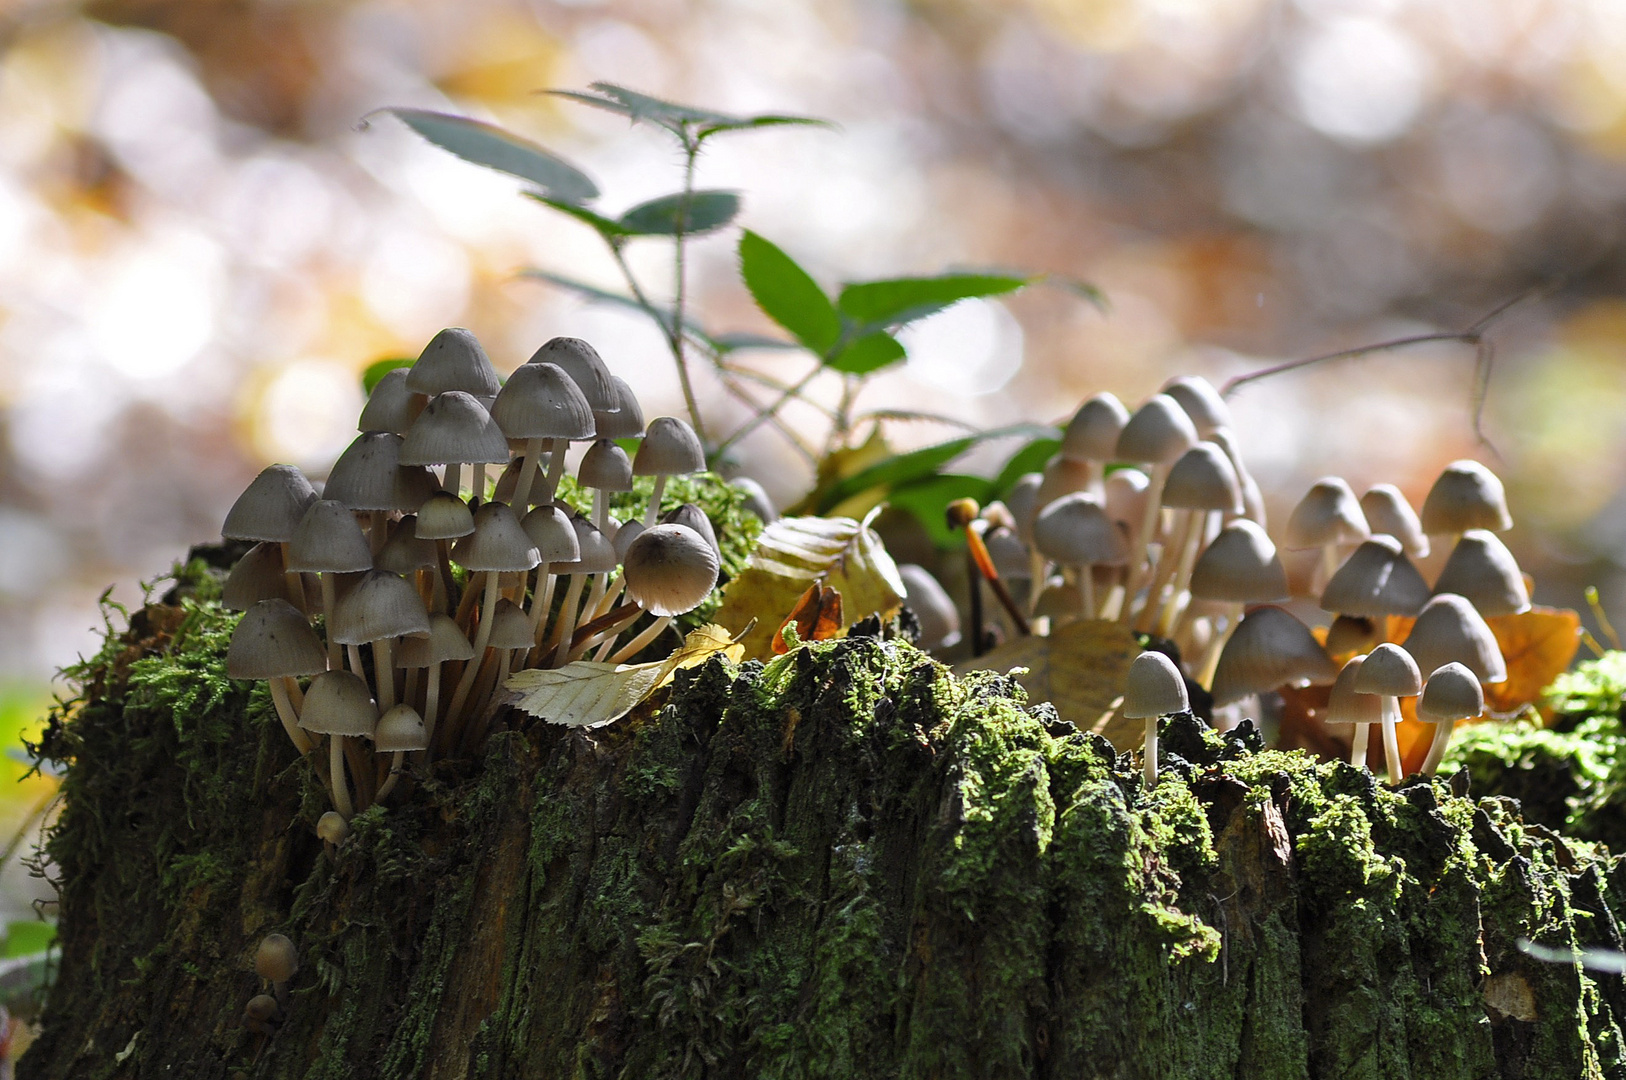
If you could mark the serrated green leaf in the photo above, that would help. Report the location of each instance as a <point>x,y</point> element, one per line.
<point>375,371</point>
<point>900,469</point>
<point>869,353</point>
<point>894,301</point>
<point>666,216</point>
<point>491,146</point>
<point>787,294</point>
<point>608,228</point>
<point>928,499</point>
<point>1031,458</point>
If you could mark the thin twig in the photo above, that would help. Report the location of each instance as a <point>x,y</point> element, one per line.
<point>675,335</point>
<point>911,414</point>
<point>778,424</point>
<point>727,370</point>
<point>795,390</point>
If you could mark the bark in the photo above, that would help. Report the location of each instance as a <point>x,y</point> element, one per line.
<point>848,863</point>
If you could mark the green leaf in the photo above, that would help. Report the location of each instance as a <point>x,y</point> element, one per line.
<point>901,469</point>
<point>665,216</point>
<point>927,499</point>
<point>375,371</point>
<point>672,115</point>
<point>485,144</point>
<point>734,342</point>
<point>609,228</point>
<point>1031,458</point>
<point>663,316</point>
<point>787,294</point>
<point>27,937</point>
<point>868,353</point>
<point>900,300</point>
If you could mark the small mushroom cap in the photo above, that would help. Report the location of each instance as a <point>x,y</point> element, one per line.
<point>1389,671</point>
<point>453,360</point>
<point>1450,630</point>
<point>606,467</point>
<point>695,518</point>
<point>1125,495</point>
<point>271,507</point>
<point>1092,433</point>
<point>454,428</point>
<point>1466,496</point>
<point>1389,514</point>
<point>1352,634</point>
<point>1010,556</point>
<point>257,576</point>
<point>367,475</point>
<point>1328,514</point>
<point>510,627</point>
<point>627,422</point>
<point>1377,579</point>
<point>1270,648</point>
<point>328,541</point>
<point>1482,569</point>
<point>406,551</point>
<point>259,1011</point>
<point>595,551</point>
<point>1240,566</point>
<point>445,641</point>
<point>555,538</point>
<point>400,728</point>
<point>541,401</point>
<point>1062,476</point>
<point>390,407</point>
<point>1022,500</point>
<point>1058,602</point>
<point>938,617</point>
<point>1345,705</point>
<point>498,542</point>
<point>381,605</point>
<point>1158,433</point>
<point>339,703</point>
<point>1197,396</point>
<point>1451,693</point>
<point>626,534</point>
<point>585,367</point>
<point>670,447</point>
<point>272,640</point>
<point>1253,500</point>
<point>276,959</point>
<point>1075,531</point>
<point>1203,479</point>
<point>1154,687</point>
<point>444,516</point>
<point>756,499</point>
<point>670,569</point>
<point>331,826</point>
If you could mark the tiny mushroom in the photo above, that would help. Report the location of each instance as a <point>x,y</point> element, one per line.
<point>453,360</point>
<point>939,619</point>
<point>670,448</point>
<point>1466,496</point>
<point>541,405</point>
<point>1482,569</point>
<point>327,542</point>
<point>1240,567</point>
<point>1091,437</point>
<point>331,828</point>
<point>670,569</point>
<point>1202,483</point>
<point>1327,516</point>
<point>1197,396</point>
<point>497,545</point>
<point>399,730</point>
<point>260,1013</point>
<point>273,642</point>
<point>455,429</point>
<point>381,607</point>
<point>444,642</point>
<point>1074,531</point>
<point>1389,514</point>
<point>1376,580</point>
<point>392,406</point>
<point>1391,674</point>
<point>340,706</point>
<point>1156,436</point>
<point>1450,694</point>
<point>276,961</point>
<point>1270,648</point>
<point>257,576</point>
<point>1154,688</point>
<point>1451,630</point>
<point>1346,706</point>
<point>269,510</point>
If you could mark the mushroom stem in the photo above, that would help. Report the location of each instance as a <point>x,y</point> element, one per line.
<point>1155,476</point>
<point>335,659</point>
<point>541,601</point>
<point>607,638</point>
<point>1216,645</point>
<point>488,612</point>
<point>1167,562</point>
<point>653,511</point>
<point>607,603</point>
<point>1391,742</point>
<point>1437,748</point>
<point>567,619</point>
<point>384,674</point>
<point>556,470</point>
<point>1086,591</point>
<point>353,652</point>
<point>1329,563</point>
<point>601,510</point>
<point>454,477</point>
<point>444,582</point>
<point>632,648</point>
<point>288,715</point>
<point>397,760</point>
<point>527,473</point>
<point>336,782</point>
<point>477,481</point>
<point>1357,745</point>
<point>1175,604</point>
<point>1150,753</point>
<point>431,702</point>
<point>475,733</point>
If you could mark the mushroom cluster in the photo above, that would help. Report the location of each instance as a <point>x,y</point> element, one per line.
<point>1152,519</point>
<point>356,587</point>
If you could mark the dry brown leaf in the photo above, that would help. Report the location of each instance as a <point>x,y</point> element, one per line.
<point>1538,646</point>
<point>816,616</point>
<point>1080,669</point>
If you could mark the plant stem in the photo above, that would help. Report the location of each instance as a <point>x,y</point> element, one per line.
<point>673,332</point>
<point>762,417</point>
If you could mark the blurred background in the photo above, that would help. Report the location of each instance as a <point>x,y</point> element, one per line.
<point>202,245</point>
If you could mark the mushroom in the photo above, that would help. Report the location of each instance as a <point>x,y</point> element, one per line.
<point>585,367</point>
<point>276,961</point>
<point>392,406</point>
<point>1361,711</point>
<point>1466,496</point>
<point>1389,514</point>
<point>399,730</point>
<point>1391,674</point>
<point>270,510</point>
<point>939,619</point>
<point>756,499</point>
<point>331,828</point>
<point>1270,648</point>
<point>1240,567</point>
<point>1376,580</point>
<point>1350,634</point>
<point>497,544</point>
<point>1450,694</point>
<point>556,544</point>
<point>510,636</point>
<point>1091,437</point>
<point>381,607</point>
<point>1074,531</point>
<point>542,405</point>
<point>1253,500</point>
<point>604,468</point>
<point>1450,630</point>
<point>369,477</point>
<point>455,429</point>
<point>596,555</point>
<point>1063,476</point>
<point>1153,688</point>
<point>670,569</point>
<point>339,705</point>
<point>626,422</point>
<point>272,641</point>
<point>327,542</point>
<point>453,360</point>
<point>1326,517</point>
<point>1482,569</point>
<point>406,553</point>
<point>670,448</point>
<point>444,642</point>
<point>1202,483</point>
<point>257,576</point>
<point>1156,436</point>
<point>442,518</point>
<point>259,1014</point>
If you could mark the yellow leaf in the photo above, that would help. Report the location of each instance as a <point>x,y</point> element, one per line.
<point>794,553</point>
<point>1538,645</point>
<point>587,694</point>
<point>1080,669</point>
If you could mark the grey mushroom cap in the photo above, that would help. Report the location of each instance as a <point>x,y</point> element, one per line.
<point>627,422</point>
<point>1388,513</point>
<point>1074,530</point>
<point>550,530</point>
<point>1009,555</point>
<point>1125,495</point>
<point>510,627</point>
<point>1376,579</point>
<point>695,518</point>
<point>1241,565</point>
<point>1157,434</point>
<point>1482,569</point>
<point>1451,693</point>
<point>670,447</point>
<point>756,499</point>
<point>1352,634</point>
<point>453,360</point>
<point>1466,496</point>
<point>443,516</point>
<point>626,534</point>
<point>1389,671</point>
<point>1328,514</point>
<point>1092,433</point>
<point>381,605</point>
<point>541,401</point>
<point>367,475</point>
<point>257,576</point>
<point>606,467</point>
<point>271,507</point>
<point>400,729</point>
<point>1197,396</point>
<point>1203,479</point>
<point>1153,687</point>
<point>339,703</point>
<point>1062,476</point>
<point>445,641</point>
<point>938,617</point>
<point>670,569</point>
<point>1022,500</point>
<point>276,959</point>
<point>390,407</point>
<point>1347,706</point>
<point>271,641</point>
<point>406,551</point>
<point>1451,630</point>
<point>328,541</point>
<point>584,365</point>
<point>1270,648</point>
<point>454,428</point>
<point>595,551</point>
<point>498,542</point>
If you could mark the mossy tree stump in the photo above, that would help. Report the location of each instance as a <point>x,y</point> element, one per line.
<point>847,863</point>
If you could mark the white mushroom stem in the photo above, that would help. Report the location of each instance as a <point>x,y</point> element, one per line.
<point>453,479</point>
<point>556,470</point>
<point>1391,741</point>
<point>335,659</point>
<point>611,595</point>
<point>354,653</point>
<point>653,511</point>
<point>289,715</point>
<point>567,619</point>
<point>431,702</point>
<point>1436,749</point>
<point>632,648</point>
<point>397,760</point>
<point>1150,754</point>
<point>384,674</point>
<point>1140,556</point>
<point>1357,745</point>
<point>488,612</point>
<point>293,581</point>
<point>534,449</point>
<point>606,641</point>
<point>601,510</point>
<point>477,480</point>
<point>1168,561</point>
<point>595,597</point>
<point>477,731</point>
<point>1329,564</point>
<point>338,787</point>
<point>541,601</point>
<point>1036,568</point>
<point>1086,591</point>
<point>1178,599</point>
<point>1216,645</point>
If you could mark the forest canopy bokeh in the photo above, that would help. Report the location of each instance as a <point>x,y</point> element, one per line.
<point>202,245</point>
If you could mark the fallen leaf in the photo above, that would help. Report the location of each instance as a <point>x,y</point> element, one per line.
<point>1080,669</point>
<point>588,694</point>
<point>816,617</point>
<point>1538,646</point>
<point>795,553</point>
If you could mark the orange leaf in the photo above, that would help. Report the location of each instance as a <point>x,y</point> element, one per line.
<point>1538,646</point>
<point>817,616</point>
